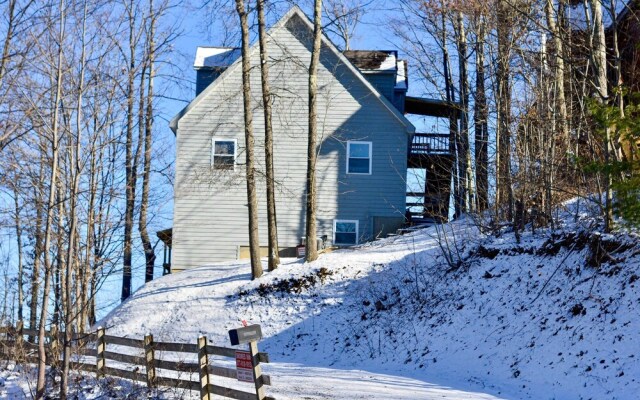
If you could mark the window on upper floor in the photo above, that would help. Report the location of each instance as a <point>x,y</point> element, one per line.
<point>224,154</point>
<point>359,158</point>
<point>345,231</point>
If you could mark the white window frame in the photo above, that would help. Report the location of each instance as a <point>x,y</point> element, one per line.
<point>213,151</point>
<point>370,144</point>
<point>335,224</point>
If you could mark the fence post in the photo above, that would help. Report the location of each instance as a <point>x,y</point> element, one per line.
<point>150,358</point>
<point>203,357</point>
<point>257,370</point>
<point>101,345</point>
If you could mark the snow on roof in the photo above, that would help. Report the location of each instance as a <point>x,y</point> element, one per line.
<point>211,57</point>
<point>401,75</point>
<point>373,60</point>
<point>368,61</point>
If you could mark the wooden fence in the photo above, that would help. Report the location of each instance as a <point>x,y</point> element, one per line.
<point>145,368</point>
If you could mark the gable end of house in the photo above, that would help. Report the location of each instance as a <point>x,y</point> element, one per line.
<point>213,68</point>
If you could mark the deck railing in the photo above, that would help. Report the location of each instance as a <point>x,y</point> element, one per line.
<point>430,143</point>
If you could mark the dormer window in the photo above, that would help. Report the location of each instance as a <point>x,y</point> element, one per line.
<point>359,158</point>
<point>224,154</point>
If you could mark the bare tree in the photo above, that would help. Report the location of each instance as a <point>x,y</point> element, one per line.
<point>71,257</point>
<point>601,86</point>
<point>254,239</point>
<point>504,190</point>
<point>312,147</point>
<point>553,16</point>
<point>462,143</point>
<point>57,75</point>
<point>68,199</point>
<point>18,18</point>
<point>274,258</point>
<point>149,254</point>
<point>20,248</point>
<point>131,161</point>
<point>455,143</point>
<point>344,16</point>
<point>481,118</point>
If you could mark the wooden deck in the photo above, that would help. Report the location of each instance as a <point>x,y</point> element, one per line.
<point>434,153</point>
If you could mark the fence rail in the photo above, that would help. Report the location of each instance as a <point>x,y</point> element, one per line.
<point>140,368</point>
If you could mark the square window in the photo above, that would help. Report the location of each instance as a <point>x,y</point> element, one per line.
<point>359,158</point>
<point>224,154</point>
<point>345,232</point>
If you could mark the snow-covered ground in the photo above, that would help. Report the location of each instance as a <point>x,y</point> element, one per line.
<point>445,312</point>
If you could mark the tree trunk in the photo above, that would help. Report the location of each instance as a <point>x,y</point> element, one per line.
<point>37,247</point>
<point>252,199</point>
<point>481,116</point>
<point>42,356</point>
<point>274,258</point>
<point>18,227</point>
<point>553,23</point>
<point>600,61</point>
<point>453,126</point>
<point>76,170</point>
<point>504,191</point>
<point>58,277</point>
<point>6,46</point>
<point>560,117</point>
<point>149,254</point>
<point>464,150</point>
<point>130,172</point>
<point>312,151</point>
<point>90,240</point>
<point>617,150</point>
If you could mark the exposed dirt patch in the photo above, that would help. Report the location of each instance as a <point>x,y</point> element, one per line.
<point>559,241</point>
<point>578,309</point>
<point>292,285</point>
<point>487,252</point>
<point>601,249</point>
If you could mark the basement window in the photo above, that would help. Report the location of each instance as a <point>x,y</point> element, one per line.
<point>345,232</point>
<point>224,154</point>
<point>359,158</point>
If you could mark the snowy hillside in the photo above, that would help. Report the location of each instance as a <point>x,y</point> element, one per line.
<point>411,317</point>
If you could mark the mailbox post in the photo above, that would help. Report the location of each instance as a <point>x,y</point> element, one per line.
<point>248,334</point>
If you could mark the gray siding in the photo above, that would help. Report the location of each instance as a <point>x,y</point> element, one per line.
<point>210,213</point>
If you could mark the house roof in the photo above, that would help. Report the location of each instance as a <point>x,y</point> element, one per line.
<point>165,235</point>
<point>215,57</point>
<point>380,61</point>
<point>296,11</point>
<point>373,60</point>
